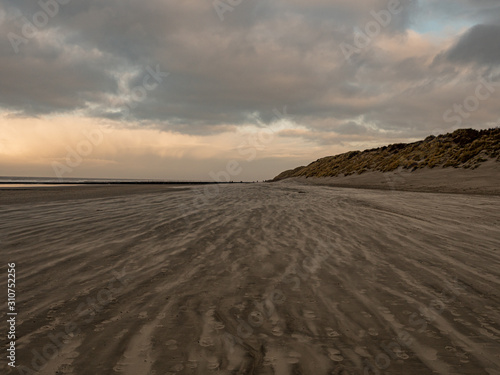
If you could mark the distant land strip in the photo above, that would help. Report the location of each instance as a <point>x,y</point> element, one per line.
<point>118,182</point>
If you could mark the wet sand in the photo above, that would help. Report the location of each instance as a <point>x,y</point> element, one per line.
<point>275,278</point>
<point>15,195</point>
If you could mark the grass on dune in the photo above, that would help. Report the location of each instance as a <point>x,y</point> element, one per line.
<point>464,148</point>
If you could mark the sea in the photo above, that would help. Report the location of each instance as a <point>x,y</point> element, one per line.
<point>31,182</point>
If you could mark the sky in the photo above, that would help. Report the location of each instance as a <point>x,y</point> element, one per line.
<point>235,89</point>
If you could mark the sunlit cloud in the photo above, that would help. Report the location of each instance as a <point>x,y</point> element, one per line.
<point>174,82</point>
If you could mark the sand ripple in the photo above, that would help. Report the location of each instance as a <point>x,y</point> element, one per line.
<point>262,279</point>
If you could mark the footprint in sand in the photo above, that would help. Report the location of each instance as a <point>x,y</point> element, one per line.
<point>213,363</point>
<point>192,363</point>
<point>334,355</point>
<point>143,315</point>
<point>366,315</point>
<point>372,332</point>
<point>454,313</point>
<point>384,310</point>
<point>403,355</point>
<point>293,357</point>
<point>463,357</point>
<point>361,351</point>
<point>256,318</point>
<point>331,333</point>
<point>206,341</point>
<point>277,331</point>
<point>219,325</point>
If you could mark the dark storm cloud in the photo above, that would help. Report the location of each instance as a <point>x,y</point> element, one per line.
<point>480,44</point>
<point>55,84</point>
<point>92,54</point>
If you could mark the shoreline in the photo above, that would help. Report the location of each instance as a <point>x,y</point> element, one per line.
<point>19,195</point>
<point>91,182</point>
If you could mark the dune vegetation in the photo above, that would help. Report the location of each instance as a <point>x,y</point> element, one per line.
<point>464,148</point>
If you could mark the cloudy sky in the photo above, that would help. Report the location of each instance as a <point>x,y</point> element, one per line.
<point>189,89</point>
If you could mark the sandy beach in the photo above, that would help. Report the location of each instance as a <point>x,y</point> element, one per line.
<point>484,180</point>
<point>276,278</point>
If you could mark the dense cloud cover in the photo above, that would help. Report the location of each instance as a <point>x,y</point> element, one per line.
<point>346,69</point>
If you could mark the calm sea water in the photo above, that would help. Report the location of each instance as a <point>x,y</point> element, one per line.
<point>3,186</point>
<point>32,182</point>
<point>27,182</point>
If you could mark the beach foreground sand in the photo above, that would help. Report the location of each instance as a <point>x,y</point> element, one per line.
<point>276,278</point>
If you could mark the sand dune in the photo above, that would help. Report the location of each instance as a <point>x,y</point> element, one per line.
<point>261,279</point>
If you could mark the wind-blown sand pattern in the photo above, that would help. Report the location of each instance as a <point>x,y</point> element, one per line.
<point>263,279</point>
